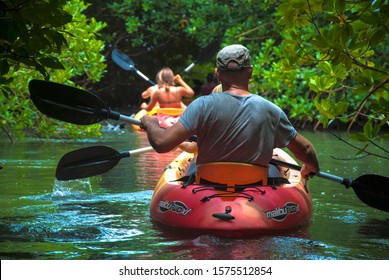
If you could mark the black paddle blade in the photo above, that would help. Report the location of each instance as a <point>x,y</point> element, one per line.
<point>87,162</point>
<point>67,103</point>
<point>122,60</point>
<point>208,52</point>
<point>373,190</point>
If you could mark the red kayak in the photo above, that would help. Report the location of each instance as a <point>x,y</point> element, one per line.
<point>231,199</point>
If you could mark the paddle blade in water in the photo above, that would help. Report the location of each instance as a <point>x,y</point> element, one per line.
<point>373,190</point>
<point>67,103</point>
<point>87,162</point>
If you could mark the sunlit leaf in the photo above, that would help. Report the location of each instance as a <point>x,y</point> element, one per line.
<point>326,67</point>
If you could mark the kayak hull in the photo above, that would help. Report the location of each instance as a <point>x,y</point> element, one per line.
<point>243,210</point>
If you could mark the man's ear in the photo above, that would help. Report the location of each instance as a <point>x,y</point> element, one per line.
<point>217,74</point>
<point>250,70</point>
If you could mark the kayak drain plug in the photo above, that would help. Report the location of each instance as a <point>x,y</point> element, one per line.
<point>224,216</point>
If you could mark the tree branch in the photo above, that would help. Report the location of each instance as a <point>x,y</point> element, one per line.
<point>8,134</point>
<point>355,147</point>
<point>366,98</point>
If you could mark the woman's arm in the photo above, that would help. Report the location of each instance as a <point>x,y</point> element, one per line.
<point>149,92</point>
<point>185,89</point>
<point>152,103</point>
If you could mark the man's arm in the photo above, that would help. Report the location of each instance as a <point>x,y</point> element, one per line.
<point>161,139</point>
<point>305,152</point>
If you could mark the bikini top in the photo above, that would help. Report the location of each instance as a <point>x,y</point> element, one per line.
<point>171,104</point>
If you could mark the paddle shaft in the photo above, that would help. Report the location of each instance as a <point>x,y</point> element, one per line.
<point>143,76</point>
<point>140,151</point>
<point>112,115</point>
<point>186,70</point>
<point>128,120</point>
<point>344,181</point>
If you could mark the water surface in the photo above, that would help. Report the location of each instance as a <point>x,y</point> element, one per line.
<point>107,216</point>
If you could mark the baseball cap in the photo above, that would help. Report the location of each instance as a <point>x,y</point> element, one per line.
<point>233,58</point>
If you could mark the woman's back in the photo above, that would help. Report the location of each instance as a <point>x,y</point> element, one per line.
<point>168,97</point>
<point>165,93</point>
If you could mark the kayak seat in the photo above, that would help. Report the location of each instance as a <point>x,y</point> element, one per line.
<point>231,173</point>
<point>274,178</point>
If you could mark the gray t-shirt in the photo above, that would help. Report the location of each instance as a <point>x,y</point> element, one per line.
<point>237,128</point>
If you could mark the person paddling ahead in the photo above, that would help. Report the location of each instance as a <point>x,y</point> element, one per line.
<point>165,93</point>
<point>234,125</point>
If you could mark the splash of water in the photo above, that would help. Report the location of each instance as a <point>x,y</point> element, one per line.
<point>70,190</point>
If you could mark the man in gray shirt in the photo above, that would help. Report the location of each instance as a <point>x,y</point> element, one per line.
<point>234,125</point>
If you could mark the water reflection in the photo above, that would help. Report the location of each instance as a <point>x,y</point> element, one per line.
<point>106,218</point>
<point>263,247</point>
<point>375,228</point>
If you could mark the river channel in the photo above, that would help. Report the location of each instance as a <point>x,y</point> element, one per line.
<point>107,216</point>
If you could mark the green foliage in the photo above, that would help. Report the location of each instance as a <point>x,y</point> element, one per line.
<point>31,40</point>
<point>160,33</point>
<point>319,60</point>
<point>346,44</point>
<point>59,45</point>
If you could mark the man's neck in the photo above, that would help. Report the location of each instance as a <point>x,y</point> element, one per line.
<point>236,89</point>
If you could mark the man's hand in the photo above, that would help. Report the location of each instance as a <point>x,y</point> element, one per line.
<point>148,121</point>
<point>308,171</point>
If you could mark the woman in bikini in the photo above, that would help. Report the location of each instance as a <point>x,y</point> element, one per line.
<point>165,93</point>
